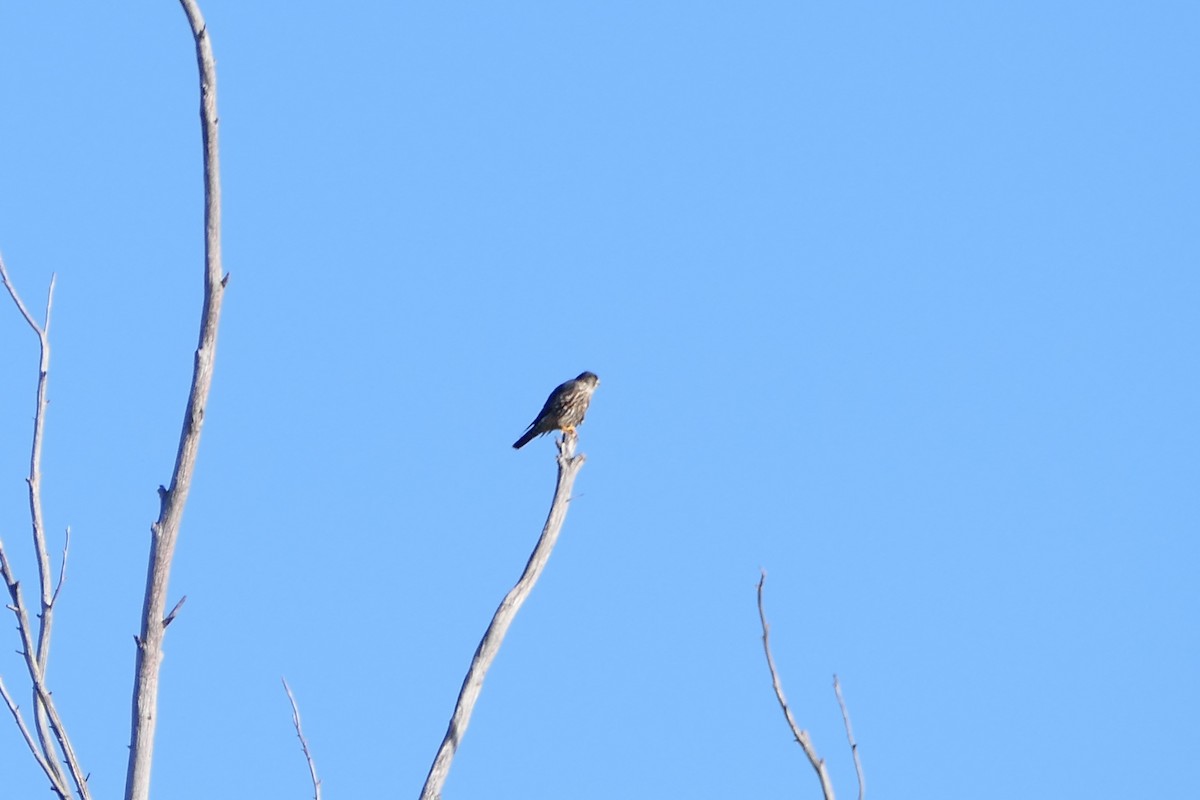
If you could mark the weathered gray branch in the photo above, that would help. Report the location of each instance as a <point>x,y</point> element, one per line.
<point>13,709</point>
<point>47,757</point>
<point>165,531</point>
<point>801,735</point>
<point>34,481</point>
<point>46,721</point>
<point>862,782</point>
<point>62,566</point>
<point>312,765</point>
<point>569,465</point>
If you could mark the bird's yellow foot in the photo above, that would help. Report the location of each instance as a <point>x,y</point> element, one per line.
<point>569,429</point>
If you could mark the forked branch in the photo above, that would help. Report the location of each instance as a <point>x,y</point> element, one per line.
<point>569,465</point>
<point>52,736</point>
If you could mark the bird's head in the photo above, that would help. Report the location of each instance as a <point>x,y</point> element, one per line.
<point>589,378</point>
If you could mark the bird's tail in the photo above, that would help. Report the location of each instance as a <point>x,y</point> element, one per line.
<point>526,439</point>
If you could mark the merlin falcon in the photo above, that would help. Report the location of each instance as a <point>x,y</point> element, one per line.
<point>564,408</point>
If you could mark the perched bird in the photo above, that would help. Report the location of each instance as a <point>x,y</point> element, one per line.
<point>564,408</point>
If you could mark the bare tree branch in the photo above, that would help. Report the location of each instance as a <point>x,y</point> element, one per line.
<point>170,617</point>
<point>46,720</point>
<point>165,531</point>
<point>42,697</point>
<point>46,756</point>
<point>33,746</point>
<point>862,784</point>
<point>12,292</point>
<point>312,767</point>
<point>569,465</point>
<point>34,483</point>
<point>801,736</point>
<point>62,566</point>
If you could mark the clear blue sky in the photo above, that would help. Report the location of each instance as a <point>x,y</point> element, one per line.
<point>898,301</point>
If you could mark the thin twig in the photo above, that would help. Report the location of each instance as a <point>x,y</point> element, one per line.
<point>165,530</point>
<point>862,784</point>
<point>312,766</point>
<point>801,736</point>
<point>62,566</point>
<point>569,465</point>
<point>167,620</point>
<point>12,292</point>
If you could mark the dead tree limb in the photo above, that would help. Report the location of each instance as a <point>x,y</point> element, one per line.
<point>569,465</point>
<point>52,736</point>
<point>312,766</point>
<point>165,531</point>
<point>13,709</point>
<point>858,770</point>
<point>801,736</point>
<point>34,485</point>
